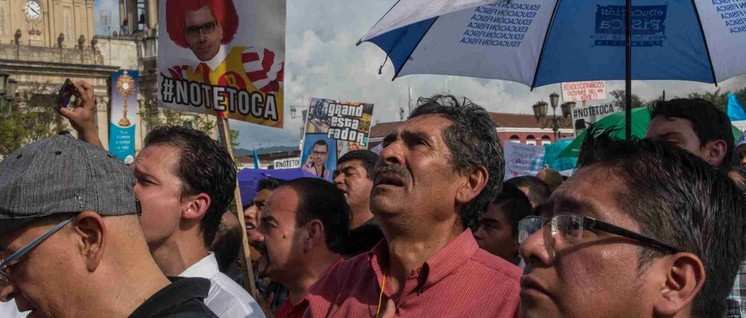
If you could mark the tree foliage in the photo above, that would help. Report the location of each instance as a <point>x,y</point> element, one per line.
<point>177,118</point>
<point>621,100</point>
<point>28,118</point>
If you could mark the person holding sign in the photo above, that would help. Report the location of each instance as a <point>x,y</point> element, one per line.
<point>315,162</point>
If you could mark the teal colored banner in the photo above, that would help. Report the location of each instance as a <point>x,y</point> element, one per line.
<point>122,142</point>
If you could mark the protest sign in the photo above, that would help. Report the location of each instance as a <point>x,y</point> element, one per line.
<point>123,114</point>
<point>583,91</point>
<point>223,57</point>
<point>333,128</point>
<point>286,163</point>
<point>528,160</point>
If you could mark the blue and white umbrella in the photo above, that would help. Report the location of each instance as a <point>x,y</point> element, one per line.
<point>541,42</point>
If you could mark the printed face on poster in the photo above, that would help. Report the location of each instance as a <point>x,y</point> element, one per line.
<point>124,88</point>
<point>223,57</point>
<point>333,128</point>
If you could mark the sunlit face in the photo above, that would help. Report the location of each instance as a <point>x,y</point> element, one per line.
<point>597,276</point>
<point>678,131</point>
<point>41,279</point>
<point>351,178</point>
<point>494,234</point>
<point>252,231</point>
<point>282,237</point>
<point>203,33</point>
<point>421,178</point>
<point>158,188</point>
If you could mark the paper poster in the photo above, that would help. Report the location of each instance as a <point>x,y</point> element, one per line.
<point>333,128</point>
<point>124,106</point>
<point>223,57</point>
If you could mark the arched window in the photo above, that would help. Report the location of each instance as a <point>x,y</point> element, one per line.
<point>531,140</point>
<point>515,139</point>
<point>545,140</point>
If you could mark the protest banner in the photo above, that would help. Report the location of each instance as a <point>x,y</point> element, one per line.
<point>223,57</point>
<point>582,116</point>
<point>123,114</point>
<point>333,128</point>
<point>528,160</point>
<point>583,91</point>
<point>287,163</point>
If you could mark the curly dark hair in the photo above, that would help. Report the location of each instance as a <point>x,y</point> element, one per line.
<point>204,166</point>
<point>473,142</point>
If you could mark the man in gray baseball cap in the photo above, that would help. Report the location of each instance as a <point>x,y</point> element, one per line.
<point>70,240</point>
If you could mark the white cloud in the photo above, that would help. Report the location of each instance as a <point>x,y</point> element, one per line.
<point>111,6</point>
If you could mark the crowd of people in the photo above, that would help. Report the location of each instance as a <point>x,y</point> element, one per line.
<point>426,228</point>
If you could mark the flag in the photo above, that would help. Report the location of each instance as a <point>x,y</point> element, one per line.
<point>256,159</point>
<point>735,110</point>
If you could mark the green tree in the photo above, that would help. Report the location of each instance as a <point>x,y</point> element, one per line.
<point>234,138</point>
<point>177,118</point>
<point>620,99</point>
<point>720,100</point>
<point>28,118</point>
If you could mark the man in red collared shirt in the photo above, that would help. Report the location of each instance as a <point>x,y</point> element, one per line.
<point>436,173</point>
<point>304,223</point>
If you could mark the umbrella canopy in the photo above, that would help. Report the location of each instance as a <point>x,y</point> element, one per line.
<point>640,120</point>
<point>248,179</point>
<point>540,42</point>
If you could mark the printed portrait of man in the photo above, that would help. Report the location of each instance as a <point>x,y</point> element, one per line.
<point>207,28</point>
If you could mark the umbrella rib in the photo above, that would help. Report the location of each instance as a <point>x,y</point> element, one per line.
<point>704,39</point>
<point>396,74</point>
<point>379,21</point>
<point>546,38</point>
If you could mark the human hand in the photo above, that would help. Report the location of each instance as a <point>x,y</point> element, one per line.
<point>81,117</point>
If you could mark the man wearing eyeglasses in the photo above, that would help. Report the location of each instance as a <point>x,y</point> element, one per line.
<point>71,244</point>
<point>207,27</point>
<point>316,160</point>
<point>642,229</point>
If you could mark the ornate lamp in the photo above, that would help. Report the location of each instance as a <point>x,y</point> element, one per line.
<point>125,86</point>
<point>11,89</point>
<point>3,80</point>
<point>540,110</point>
<point>567,109</point>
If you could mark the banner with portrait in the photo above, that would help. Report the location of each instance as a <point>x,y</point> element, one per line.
<point>223,57</point>
<point>123,114</point>
<point>333,128</point>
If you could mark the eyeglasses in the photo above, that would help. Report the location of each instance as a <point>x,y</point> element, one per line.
<point>319,153</point>
<point>570,226</point>
<point>206,29</point>
<point>5,263</point>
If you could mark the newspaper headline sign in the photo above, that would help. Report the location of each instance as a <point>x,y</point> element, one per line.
<point>287,163</point>
<point>223,57</point>
<point>333,128</point>
<point>583,91</point>
<point>123,114</point>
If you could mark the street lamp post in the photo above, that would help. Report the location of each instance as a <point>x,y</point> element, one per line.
<point>7,90</point>
<point>554,121</point>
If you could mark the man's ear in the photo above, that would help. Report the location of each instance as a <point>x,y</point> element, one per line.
<point>316,235</point>
<point>475,182</point>
<point>684,277</point>
<point>197,206</point>
<point>91,238</point>
<point>715,151</point>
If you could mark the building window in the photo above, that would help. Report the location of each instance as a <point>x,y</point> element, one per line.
<point>531,140</point>
<point>545,140</point>
<point>515,139</point>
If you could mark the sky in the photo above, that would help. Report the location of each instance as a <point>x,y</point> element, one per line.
<point>322,60</point>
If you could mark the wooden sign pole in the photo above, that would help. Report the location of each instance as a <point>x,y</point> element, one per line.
<point>248,271</point>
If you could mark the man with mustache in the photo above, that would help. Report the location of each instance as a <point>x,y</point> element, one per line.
<point>303,227</point>
<point>354,178</point>
<point>642,229</point>
<point>436,173</point>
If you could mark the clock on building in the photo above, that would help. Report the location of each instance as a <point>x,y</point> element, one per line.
<point>32,9</point>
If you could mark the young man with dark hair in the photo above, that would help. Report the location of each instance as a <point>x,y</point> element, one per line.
<point>354,178</point>
<point>695,125</point>
<point>436,174</point>
<point>185,181</point>
<point>642,229</point>
<point>303,227</point>
<point>498,230</point>
<point>535,189</point>
<point>316,160</point>
<point>70,241</point>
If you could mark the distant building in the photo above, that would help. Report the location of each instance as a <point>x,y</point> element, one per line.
<point>520,128</point>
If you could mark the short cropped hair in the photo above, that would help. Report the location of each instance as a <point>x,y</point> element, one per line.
<point>708,122</point>
<point>320,199</point>
<point>515,204</point>
<point>538,190</point>
<point>204,166</point>
<point>473,143</point>
<point>367,157</point>
<point>679,199</point>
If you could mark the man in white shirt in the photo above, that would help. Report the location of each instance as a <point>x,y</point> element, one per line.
<point>185,182</point>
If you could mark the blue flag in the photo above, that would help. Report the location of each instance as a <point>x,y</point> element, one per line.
<point>256,159</point>
<point>735,110</point>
